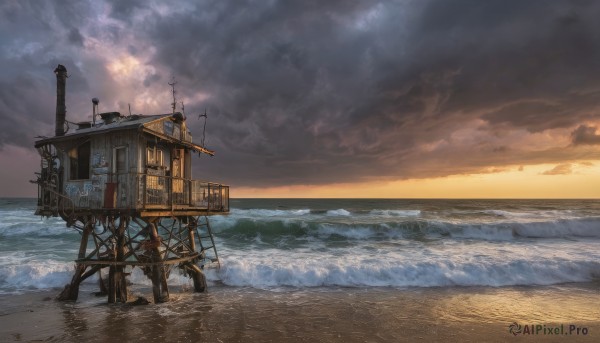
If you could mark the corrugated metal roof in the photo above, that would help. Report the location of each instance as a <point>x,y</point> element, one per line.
<point>123,123</point>
<point>134,121</point>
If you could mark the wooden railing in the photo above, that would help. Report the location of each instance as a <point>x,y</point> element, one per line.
<point>133,191</point>
<point>155,190</point>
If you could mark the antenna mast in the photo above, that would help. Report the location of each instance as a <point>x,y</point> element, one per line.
<point>204,129</point>
<point>174,103</point>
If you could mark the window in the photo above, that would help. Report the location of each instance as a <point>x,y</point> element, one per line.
<point>120,160</point>
<point>79,162</point>
<point>154,156</point>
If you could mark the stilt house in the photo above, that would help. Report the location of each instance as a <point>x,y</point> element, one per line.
<point>126,182</point>
<point>131,163</point>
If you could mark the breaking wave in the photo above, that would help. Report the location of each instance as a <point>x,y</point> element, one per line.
<point>406,229</point>
<point>320,244</point>
<point>34,275</point>
<point>396,213</point>
<point>351,271</point>
<point>254,213</point>
<point>340,212</point>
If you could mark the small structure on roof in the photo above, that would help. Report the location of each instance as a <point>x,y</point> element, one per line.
<point>126,183</point>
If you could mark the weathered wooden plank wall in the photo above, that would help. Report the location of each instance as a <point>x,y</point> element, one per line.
<point>90,193</point>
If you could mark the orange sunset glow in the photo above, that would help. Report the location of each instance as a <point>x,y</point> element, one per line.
<point>528,183</point>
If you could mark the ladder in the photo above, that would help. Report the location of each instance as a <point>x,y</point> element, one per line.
<point>207,244</point>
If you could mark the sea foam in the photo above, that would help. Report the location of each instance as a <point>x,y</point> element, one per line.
<point>16,278</point>
<point>339,212</point>
<point>347,245</point>
<point>418,270</point>
<point>396,213</point>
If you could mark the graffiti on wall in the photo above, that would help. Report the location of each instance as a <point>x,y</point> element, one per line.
<point>98,182</point>
<point>71,190</point>
<point>99,163</point>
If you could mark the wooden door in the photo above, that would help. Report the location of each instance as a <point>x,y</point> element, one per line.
<point>177,167</point>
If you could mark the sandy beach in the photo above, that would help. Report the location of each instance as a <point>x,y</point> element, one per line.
<point>231,314</point>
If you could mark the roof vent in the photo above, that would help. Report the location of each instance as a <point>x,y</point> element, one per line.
<point>110,117</point>
<point>178,116</point>
<point>84,125</point>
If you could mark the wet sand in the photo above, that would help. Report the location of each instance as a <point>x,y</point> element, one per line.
<point>229,314</point>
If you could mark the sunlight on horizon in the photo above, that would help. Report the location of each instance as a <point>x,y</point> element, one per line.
<point>581,180</point>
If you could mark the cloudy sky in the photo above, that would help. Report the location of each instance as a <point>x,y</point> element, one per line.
<point>427,98</point>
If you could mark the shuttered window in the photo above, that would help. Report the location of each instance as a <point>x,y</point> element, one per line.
<point>79,162</point>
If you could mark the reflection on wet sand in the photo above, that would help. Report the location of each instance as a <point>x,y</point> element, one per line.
<point>558,304</point>
<point>227,314</point>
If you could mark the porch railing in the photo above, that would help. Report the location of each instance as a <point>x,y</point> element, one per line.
<point>156,190</point>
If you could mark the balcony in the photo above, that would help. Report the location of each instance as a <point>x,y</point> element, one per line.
<point>143,193</point>
<point>168,192</point>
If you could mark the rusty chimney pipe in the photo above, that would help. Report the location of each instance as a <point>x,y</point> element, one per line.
<point>61,108</point>
<point>95,102</point>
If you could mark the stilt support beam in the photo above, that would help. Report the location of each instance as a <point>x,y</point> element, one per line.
<point>156,245</point>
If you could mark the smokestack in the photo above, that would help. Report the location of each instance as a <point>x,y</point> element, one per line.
<point>95,102</point>
<point>61,108</point>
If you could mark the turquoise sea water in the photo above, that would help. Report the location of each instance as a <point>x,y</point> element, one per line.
<point>276,244</point>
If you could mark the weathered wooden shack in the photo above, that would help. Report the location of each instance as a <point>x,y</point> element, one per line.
<point>125,182</point>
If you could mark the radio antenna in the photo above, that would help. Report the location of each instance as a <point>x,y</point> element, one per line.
<point>174,103</point>
<point>204,129</point>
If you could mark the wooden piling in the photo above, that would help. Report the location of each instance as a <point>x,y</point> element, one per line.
<point>119,277</point>
<point>160,288</point>
<point>71,291</point>
<point>118,248</point>
<point>199,278</point>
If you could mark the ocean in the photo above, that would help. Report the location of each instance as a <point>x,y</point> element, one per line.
<point>388,255</point>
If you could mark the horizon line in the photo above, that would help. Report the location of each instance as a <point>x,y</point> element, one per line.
<point>362,198</point>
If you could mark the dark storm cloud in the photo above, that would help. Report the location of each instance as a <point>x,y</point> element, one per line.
<point>124,10</point>
<point>309,92</point>
<point>315,93</point>
<point>585,135</point>
<point>36,36</point>
<point>75,37</point>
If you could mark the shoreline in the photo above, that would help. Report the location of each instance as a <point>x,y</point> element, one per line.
<point>232,314</point>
